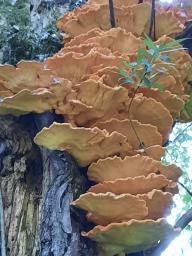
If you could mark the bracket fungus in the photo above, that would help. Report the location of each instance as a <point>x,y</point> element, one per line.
<point>156,152</point>
<point>133,186</point>
<point>127,18</point>
<point>119,238</point>
<point>26,101</point>
<point>107,208</point>
<point>78,66</point>
<point>167,24</point>
<point>113,168</point>
<point>127,43</point>
<point>158,203</point>
<point>117,131</point>
<point>146,134</point>
<point>117,3</point>
<point>84,144</point>
<point>97,99</point>
<point>146,111</point>
<point>171,101</point>
<point>29,75</point>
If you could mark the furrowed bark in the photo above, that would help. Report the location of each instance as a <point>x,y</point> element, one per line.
<point>37,189</point>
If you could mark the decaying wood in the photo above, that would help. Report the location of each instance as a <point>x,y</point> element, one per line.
<point>37,188</point>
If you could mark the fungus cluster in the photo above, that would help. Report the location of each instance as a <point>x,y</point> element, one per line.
<point>118,136</point>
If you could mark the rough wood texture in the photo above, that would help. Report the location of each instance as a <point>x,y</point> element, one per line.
<point>37,188</point>
<point>21,178</point>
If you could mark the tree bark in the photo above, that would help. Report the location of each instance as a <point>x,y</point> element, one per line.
<point>37,188</point>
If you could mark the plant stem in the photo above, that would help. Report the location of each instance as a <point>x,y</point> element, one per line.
<point>112,14</point>
<point>152,20</point>
<point>188,191</point>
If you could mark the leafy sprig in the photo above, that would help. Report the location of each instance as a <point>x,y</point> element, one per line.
<point>143,72</point>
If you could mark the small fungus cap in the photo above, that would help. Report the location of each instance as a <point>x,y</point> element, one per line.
<point>84,144</point>
<point>110,169</point>
<point>107,208</point>
<point>120,237</point>
<point>128,18</point>
<point>147,134</point>
<point>159,203</point>
<point>28,75</point>
<point>134,186</point>
<point>26,101</point>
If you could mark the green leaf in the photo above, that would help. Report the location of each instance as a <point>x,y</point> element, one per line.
<point>149,43</point>
<point>157,85</point>
<point>128,81</point>
<point>172,44</point>
<point>130,64</point>
<point>147,66</point>
<point>154,52</point>
<point>147,82</point>
<point>167,46</point>
<point>175,50</point>
<point>123,72</point>
<point>141,54</point>
<point>165,58</point>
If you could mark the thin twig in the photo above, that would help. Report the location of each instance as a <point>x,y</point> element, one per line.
<point>184,220</point>
<point>181,133</point>
<point>129,108</point>
<point>152,18</point>
<point>154,23</point>
<point>112,14</point>
<point>181,223</point>
<point>128,111</point>
<point>182,185</point>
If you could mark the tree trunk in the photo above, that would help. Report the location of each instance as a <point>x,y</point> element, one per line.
<point>37,188</point>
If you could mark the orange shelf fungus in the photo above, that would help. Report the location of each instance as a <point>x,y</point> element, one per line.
<point>144,134</point>
<point>108,75</point>
<point>106,208</point>
<point>170,80</point>
<point>113,168</point>
<point>28,75</point>
<point>146,111</point>
<point>147,232</point>
<point>91,100</point>
<point>133,186</point>
<point>117,3</point>
<point>149,111</point>
<point>118,130</point>
<point>85,49</point>
<point>117,40</point>
<point>167,24</point>
<point>78,66</point>
<point>171,101</point>
<point>85,144</point>
<point>80,39</point>
<point>26,101</point>
<point>158,203</point>
<point>181,59</point>
<point>128,18</point>
<point>156,152</point>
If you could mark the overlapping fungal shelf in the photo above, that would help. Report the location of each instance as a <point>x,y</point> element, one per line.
<point>121,145</point>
